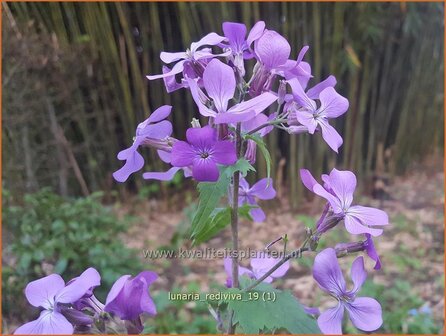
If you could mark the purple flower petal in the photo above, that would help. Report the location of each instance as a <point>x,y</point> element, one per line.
<point>48,323</point>
<point>300,96</point>
<point>358,274</point>
<point>160,113</point>
<point>312,310</point>
<point>116,288</point>
<point>228,269</point>
<point>170,57</point>
<point>219,81</point>
<point>199,98</point>
<point>176,69</point>
<point>205,170</point>
<point>161,176</point>
<point>134,162</point>
<point>209,39</point>
<point>255,33</point>
<point>159,130</point>
<point>371,251</point>
<point>129,297</point>
<point>235,33</point>
<point>257,214</point>
<point>183,154</point>
<point>231,118</point>
<point>365,313</point>
<point>76,289</point>
<point>272,49</point>
<point>306,118</point>
<point>354,226</point>
<point>250,107</point>
<point>41,292</point>
<point>263,189</point>
<point>330,321</point>
<point>343,184</point>
<point>332,103</point>
<point>314,92</point>
<point>327,273</point>
<point>369,216</point>
<point>164,156</point>
<point>262,265</point>
<point>330,135</point>
<point>307,179</point>
<point>224,153</point>
<point>202,137</point>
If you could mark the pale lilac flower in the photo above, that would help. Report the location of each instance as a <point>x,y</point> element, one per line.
<point>272,51</point>
<point>262,189</point>
<point>259,267</point>
<point>51,294</point>
<point>192,59</point>
<point>129,297</point>
<point>154,131</point>
<point>203,152</point>
<point>338,190</point>
<point>314,117</point>
<point>240,46</point>
<point>219,82</point>
<point>364,312</point>
<point>367,245</point>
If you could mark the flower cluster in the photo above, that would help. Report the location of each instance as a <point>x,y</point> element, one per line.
<point>73,308</point>
<point>244,85</point>
<point>226,96</point>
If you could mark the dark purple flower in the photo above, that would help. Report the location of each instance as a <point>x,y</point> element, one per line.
<point>203,152</point>
<point>262,189</point>
<point>129,297</point>
<point>338,190</point>
<point>364,312</point>
<point>192,58</point>
<point>219,82</point>
<point>307,112</point>
<point>155,132</point>
<point>51,294</point>
<point>259,267</point>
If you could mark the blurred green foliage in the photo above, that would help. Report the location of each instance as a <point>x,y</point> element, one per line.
<point>404,311</point>
<point>49,234</point>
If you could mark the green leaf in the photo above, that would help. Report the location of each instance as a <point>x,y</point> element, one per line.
<point>211,193</point>
<point>262,146</point>
<point>268,309</point>
<point>244,210</point>
<point>218,223</point>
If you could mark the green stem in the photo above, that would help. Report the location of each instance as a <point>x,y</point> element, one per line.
<point>234,224</point>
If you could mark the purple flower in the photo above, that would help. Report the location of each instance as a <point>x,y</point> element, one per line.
<point>307,113</point>
<point>240,46</point>
<point>259,267</point>
<point>203,152</point>
<point>192,59</point>
<point>51,294</point>
<point>155,132</point>
<point>219,82</point>
<point>338,190</point>
<point>129,297</point>
<point>262,189</point>
<point>364,312</point>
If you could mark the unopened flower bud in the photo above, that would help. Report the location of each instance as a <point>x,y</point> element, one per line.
<point>329,223</point>
<point>251,150</point>
<point>342,249</point>
<point>195,123</point>
<point>281,92</point>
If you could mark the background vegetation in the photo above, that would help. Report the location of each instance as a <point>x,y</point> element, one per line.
<point>75,103</point>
